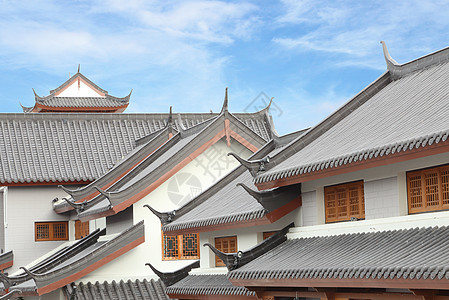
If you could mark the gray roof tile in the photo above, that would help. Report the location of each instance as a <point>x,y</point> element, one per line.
<point>418,253</point>
<point>235,203</point>
<point>81,147</point>
<point>387,117</point>
<point>136,290</point>
<point>207,285</point>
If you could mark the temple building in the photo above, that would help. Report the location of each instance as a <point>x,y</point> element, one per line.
<point>220,206</point>
<point>78,95</point>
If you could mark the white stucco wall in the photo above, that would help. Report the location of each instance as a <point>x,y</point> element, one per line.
<point>385,188</point>
<point>24,207</point>
<point>247,237</point>
<point>83,91</point>
<point>381,198</point>
<point>198,175</point>
<point>309,208</point>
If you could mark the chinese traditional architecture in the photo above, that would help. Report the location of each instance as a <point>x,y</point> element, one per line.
<point>372,183</point>
<point>78,95</point>
<point>219,206</point>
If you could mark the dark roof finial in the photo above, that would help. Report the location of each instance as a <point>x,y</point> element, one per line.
<point>163,217</point>
<point>170,117</point>
<point>224,109</point>
<point>169,278</point>
<point>253,166</point>
<point>79,66</point>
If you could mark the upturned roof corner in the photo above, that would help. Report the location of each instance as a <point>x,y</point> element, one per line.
<point>169,278</point>
<point>391,63</point>
<point>235,260</point>
<point>165,218</point>
<point>253,166</point>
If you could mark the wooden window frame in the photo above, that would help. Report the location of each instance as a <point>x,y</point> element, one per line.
<point>330,194</point>
<point>180,245</point>
<point>218,261</point>
<point>267,234</point>
<point>81,229</point>
<point>51,234</point>
<point>438,192</point>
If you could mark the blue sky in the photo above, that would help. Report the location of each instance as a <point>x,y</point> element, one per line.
<point>312,56</point>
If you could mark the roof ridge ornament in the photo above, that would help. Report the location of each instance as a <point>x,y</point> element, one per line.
<point>169,124</point>
<point>107,195</point>
<point>7,282</point>
<point>170,278</point>
<point>165,218</point>
<point>391,63</point>
<point>79,66</point>
<point>224,108</point>
<point>253,166</point>
<point>29,273</point>
<point>181,127</point>
<point>68,191</point>
<point>236,260</point>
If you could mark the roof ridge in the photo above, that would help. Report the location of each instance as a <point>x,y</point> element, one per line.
<point>397,70</point>
<point>305,139</point>
<point>364,154</point>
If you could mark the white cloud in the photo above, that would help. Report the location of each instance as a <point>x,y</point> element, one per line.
<point>353,29</point>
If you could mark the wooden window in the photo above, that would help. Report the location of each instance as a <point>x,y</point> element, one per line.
<point>81,229</point>
<point>428,190</point>
<point>51,231</point>
<point>227,245</point>
<point>268,234</point>
<point>344,201</point>
<point>184,246</point>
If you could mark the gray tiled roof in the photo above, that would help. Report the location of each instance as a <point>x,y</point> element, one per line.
<point>171,154</point>
<point>387,117</point>
<point>235,204</point>
<point>207,285</point>
<point>407,254</point>
<point>107,101</point>
<point>81,147</point>
<point>66,264</point>
<point>135,290</point>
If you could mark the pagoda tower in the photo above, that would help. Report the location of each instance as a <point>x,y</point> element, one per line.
<point>78,95</point>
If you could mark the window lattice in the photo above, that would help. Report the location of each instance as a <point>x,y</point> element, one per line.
<point>428,190</point>
<point>51,231</point>
<point>227,245</point>
<point>344,201</point>
<point>190,245</point>
<point>180,246</point>
<point>171,246</point>
<point>43,231</point>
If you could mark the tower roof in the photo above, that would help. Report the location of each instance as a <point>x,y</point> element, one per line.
<point>78,94</point>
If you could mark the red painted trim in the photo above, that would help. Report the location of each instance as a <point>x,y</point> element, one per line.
<point>45,183</point>
<point>96,193</point>
<point>400,283</point>
<point>243,141</point>
<point>125,204</point>
<point>79,109</point>
<point>210,297</point>
<point>267,219</point>
<point>397,157</point>
<point>224,226</point>
<point>6,265</point>
<point>58,284</point>
<point>284,210</point>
